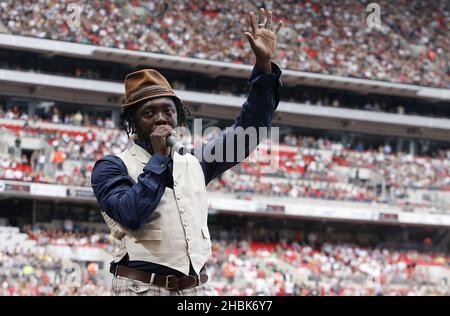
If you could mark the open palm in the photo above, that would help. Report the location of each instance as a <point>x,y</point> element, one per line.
<point>263,39</point>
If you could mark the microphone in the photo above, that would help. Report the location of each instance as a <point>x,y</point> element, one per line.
<point>176,145</point>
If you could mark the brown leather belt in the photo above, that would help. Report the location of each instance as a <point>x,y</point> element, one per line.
<point>170,282</point>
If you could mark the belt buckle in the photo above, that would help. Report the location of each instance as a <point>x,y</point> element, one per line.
<point>168,281</point>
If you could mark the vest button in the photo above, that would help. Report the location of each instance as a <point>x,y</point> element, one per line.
<point>178,197</point>
<point>182,210</point>
<point>188,238</point>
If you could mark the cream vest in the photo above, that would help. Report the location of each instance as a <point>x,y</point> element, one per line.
<point>177,232</point>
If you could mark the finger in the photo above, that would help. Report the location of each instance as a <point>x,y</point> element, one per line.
<point>163,126</point>
<point>269,20</point>
<point>165,134</point>
<point>163,129</point>
<point>169,130</point>
<point>279,26</point>
<point>261,21</point>
<point>253,23</point>
<point>251,39</point>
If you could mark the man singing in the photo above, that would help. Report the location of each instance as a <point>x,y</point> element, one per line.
<point>155,202</point>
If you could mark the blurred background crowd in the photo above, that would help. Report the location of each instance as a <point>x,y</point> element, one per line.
<point>324,37</point>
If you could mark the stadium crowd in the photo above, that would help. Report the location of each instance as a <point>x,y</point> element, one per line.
<point>55,116</point>
<point>240,267</point>
<point>329,37</point>
<point>245,268</point>
<point>307,166</point>
<point>233,183</point>
<point>36,272</point>
<point>69,236</point>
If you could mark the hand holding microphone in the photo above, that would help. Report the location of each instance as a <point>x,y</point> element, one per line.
<point>163,139</point>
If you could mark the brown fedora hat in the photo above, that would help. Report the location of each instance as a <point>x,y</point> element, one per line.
<point>146,84</point>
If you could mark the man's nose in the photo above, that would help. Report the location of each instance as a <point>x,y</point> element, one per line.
<point>160,119</point>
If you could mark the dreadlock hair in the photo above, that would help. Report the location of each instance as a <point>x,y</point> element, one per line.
<point>128,117</point>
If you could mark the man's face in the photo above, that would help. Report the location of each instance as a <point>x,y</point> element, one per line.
<point>159,111</point>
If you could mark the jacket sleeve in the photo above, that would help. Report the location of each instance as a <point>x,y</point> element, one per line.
<point>129,203</point>
<point>257,111</point>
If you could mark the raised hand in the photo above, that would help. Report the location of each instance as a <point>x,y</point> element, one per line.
<point>263,39</point>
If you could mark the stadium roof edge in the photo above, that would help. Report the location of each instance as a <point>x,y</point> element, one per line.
<point>214,68</point>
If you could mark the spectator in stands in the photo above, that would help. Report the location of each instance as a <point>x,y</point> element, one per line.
<point>41,161</point>
<point>58,157</point>
<point>78,118</point>
<point>56,118</point>
<point>16,150</point>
